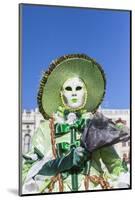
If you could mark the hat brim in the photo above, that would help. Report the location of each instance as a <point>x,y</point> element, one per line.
<point>75,65</point>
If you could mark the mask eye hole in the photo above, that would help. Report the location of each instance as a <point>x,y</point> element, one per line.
<point>68,88</point>
<point>78,88</point>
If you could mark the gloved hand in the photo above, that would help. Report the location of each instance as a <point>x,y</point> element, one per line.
<point>75,159</point>
<point>80,155</point>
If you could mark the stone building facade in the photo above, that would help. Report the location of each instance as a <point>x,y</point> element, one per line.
<point>31,120</point>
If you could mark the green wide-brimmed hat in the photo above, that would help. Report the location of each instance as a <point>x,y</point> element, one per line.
<point>63,68</point>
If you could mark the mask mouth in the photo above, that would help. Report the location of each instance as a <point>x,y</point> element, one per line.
<point>74,100</point>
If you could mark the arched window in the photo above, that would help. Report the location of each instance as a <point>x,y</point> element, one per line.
<point>27,141</point>
<point>123,144</point>
<point>125,157</point>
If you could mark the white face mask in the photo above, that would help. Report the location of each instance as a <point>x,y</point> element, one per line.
<point>74,93</point>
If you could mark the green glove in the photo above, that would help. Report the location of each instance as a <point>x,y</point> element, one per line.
<point>75,159</point>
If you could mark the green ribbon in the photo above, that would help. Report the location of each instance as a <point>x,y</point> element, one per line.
<point>61,129</point>
<point>65,146</point>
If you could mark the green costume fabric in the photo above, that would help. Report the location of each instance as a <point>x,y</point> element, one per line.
<point>64,164</point>
<point>107,156</point>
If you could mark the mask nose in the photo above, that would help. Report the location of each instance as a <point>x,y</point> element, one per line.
<point>74,95</point>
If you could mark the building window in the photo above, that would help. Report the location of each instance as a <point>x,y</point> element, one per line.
<point>27,141</point>
<point>28,114</point>
<point>123,144</point>
<point>41,121</point>
<point>125,157</point>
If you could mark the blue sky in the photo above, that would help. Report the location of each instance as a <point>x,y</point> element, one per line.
<point>50,32</point>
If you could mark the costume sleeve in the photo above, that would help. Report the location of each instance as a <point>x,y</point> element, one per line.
<point>112,160</point>
<point>40,148</point>
<point>74,159</point>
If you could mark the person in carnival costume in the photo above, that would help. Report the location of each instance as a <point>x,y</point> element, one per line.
<point>72,150</point>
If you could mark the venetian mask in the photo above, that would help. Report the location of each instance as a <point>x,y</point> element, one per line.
<point>74,93</point>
